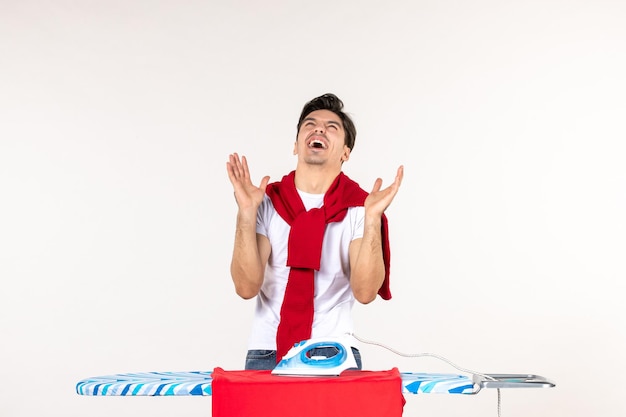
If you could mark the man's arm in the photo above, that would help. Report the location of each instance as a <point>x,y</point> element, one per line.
<point>366,264</point>
<point>251,251</point>
<point>366,254</point>
<point>250,254</point>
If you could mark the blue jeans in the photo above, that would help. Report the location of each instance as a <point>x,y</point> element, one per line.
<point>266,359</point>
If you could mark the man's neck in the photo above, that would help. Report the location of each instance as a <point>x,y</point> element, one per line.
<point>314,180</point>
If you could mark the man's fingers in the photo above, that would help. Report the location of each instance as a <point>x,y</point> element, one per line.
<point>264,182</point>
<point>377,184</point>
<point>400,175</point>
<point>238,167</point>
<point>244,167</point>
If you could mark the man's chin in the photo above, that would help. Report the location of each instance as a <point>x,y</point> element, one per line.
<point>311,160</point>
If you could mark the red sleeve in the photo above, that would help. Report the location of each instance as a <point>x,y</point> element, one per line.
<point>385,291</point>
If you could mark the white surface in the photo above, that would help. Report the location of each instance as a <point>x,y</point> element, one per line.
<point>116,214</point>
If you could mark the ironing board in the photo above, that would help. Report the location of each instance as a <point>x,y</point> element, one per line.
<point>198,383</point>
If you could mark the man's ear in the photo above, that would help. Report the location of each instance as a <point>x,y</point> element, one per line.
<point>295,147</point>
<point>346,153</point>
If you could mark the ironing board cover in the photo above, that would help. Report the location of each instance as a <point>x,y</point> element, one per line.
<point>199,383</point>
<point>147,384</point>
<point>261,394</point>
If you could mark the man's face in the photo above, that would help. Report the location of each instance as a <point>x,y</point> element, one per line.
<point>321,139</point>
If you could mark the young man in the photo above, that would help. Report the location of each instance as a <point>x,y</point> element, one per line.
<point>311,244</point>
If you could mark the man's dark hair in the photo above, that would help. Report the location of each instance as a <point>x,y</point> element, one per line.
<point>332,103</point>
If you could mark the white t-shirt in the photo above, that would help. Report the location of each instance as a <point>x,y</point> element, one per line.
<point>333,295</point>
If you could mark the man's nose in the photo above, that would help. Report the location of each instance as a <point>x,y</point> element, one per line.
<point>319,128</point>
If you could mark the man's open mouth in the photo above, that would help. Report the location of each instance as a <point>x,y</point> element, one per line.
<point>318,144</point>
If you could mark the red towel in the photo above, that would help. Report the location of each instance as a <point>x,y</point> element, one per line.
<point>305,250</point>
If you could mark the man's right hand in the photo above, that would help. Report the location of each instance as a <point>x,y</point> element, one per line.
<point>247,195</point>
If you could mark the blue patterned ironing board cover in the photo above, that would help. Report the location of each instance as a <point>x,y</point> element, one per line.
<point>199,383</point>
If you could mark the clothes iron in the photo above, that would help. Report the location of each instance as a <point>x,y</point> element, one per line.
<point>300,360</point>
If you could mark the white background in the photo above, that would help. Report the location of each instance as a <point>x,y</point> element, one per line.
<point>117,216</point>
